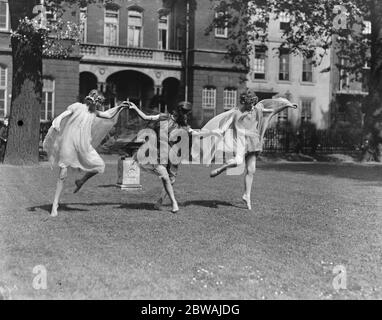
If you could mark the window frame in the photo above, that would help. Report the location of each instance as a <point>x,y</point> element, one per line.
<point>160,47</point>
<point>7,17</point>
<point>281,70</point>
<point>307,62</point>
<point>343,79</point>
<point>134,27</point>
<point>45,93</point>
<point>306,114</point>
<point>206,97</point>
<point>105,28</point>
<point>223,35</point>
<point>229,102</point>
<point>285,20</point>
<point>5,89</point>
<point>262,51</point>
<point>84,24</point>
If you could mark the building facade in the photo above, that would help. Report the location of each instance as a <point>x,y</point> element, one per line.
<point>157,52</point>
<point>274,73</point>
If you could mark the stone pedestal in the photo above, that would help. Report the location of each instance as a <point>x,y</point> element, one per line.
<point>128,174</point>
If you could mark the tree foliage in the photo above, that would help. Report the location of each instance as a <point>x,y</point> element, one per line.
<point>315,27</point>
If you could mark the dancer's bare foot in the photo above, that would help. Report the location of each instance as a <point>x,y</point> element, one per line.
<point>215,173</point>
<point>175,208</point>
<point>78,184</point>
<point>247,202</point>
<point>54,212</point>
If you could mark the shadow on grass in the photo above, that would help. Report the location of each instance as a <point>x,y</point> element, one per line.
<point>371,173</point>
<point>67,207</point>
<point>70,207</point>
<point>214,204</point>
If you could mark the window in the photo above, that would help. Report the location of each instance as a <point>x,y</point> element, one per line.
<point>306,110</point>
<point>47,109</point>
<point>4,16</point>
<point>366,27</point>
<point>284,21</point>
<point>229,98</point>
<point>221,31</point>
<point>307,70</point>
<point>365,77</point>
<point>209,98</point>
<point>111,27</point>
<point>3,91</point>
<point>284,66</point>
<point>83,24</point>
<point>259,63</point>
<point>344,77</point>
<point>163,32</point>
<point>134,28</point>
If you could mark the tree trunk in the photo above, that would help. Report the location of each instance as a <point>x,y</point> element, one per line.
<point>373,104</point>
<point>24,122</point>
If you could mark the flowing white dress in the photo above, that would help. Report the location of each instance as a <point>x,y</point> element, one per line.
<point>242,132</point>
<point>80,132</point>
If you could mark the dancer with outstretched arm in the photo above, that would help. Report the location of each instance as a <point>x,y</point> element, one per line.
<point>73,137</point>
<point>169,125</point>
<point>242,129</point>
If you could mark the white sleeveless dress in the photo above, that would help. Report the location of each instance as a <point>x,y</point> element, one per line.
<point>80,133</point>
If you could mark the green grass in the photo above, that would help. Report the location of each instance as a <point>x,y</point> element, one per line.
<point>306,219</point>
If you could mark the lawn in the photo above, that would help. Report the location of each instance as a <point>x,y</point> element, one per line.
<point>106,243</point>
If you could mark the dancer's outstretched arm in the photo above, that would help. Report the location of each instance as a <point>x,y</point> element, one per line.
<point>106,115</point>
<point>205,133</point>
<point>143,115</point>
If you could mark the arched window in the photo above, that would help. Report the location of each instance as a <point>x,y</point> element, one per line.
<point>230,98</point>
<point>134,27</point>
<point>3,91</point>
<point>48,97</point>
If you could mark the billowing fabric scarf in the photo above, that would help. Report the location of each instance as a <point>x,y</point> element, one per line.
<point>241,131</point>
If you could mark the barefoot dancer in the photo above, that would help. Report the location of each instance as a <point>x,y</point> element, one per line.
<point>72,137</point>
<point>248,125</point>
<point>171,124</point>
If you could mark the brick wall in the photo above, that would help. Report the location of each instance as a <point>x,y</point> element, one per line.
<point>66,76</point>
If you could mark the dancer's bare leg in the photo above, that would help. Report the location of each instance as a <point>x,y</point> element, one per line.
<point>60,186</point>
<point>168,187</point>
<point>233,163</point>
<point>250,163</point>
<point>80,182</point>
<point>172,172</point>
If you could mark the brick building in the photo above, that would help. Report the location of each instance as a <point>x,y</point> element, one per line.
<point>150,52</point>
<point>61,80</point>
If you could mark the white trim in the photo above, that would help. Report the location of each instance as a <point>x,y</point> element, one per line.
<point>104,27</point>
<point>6,17</point>
<point>229,98</point>
<point>84,23</point>
<point>209,98</point>
<point>167,31</point>
<point>225,29</point>
<point>5,88</point>
<point>45,92</point>
<point>129,26</point>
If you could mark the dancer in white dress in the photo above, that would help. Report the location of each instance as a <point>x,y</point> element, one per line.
<point>242,132</point>
<point>73,137</point>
